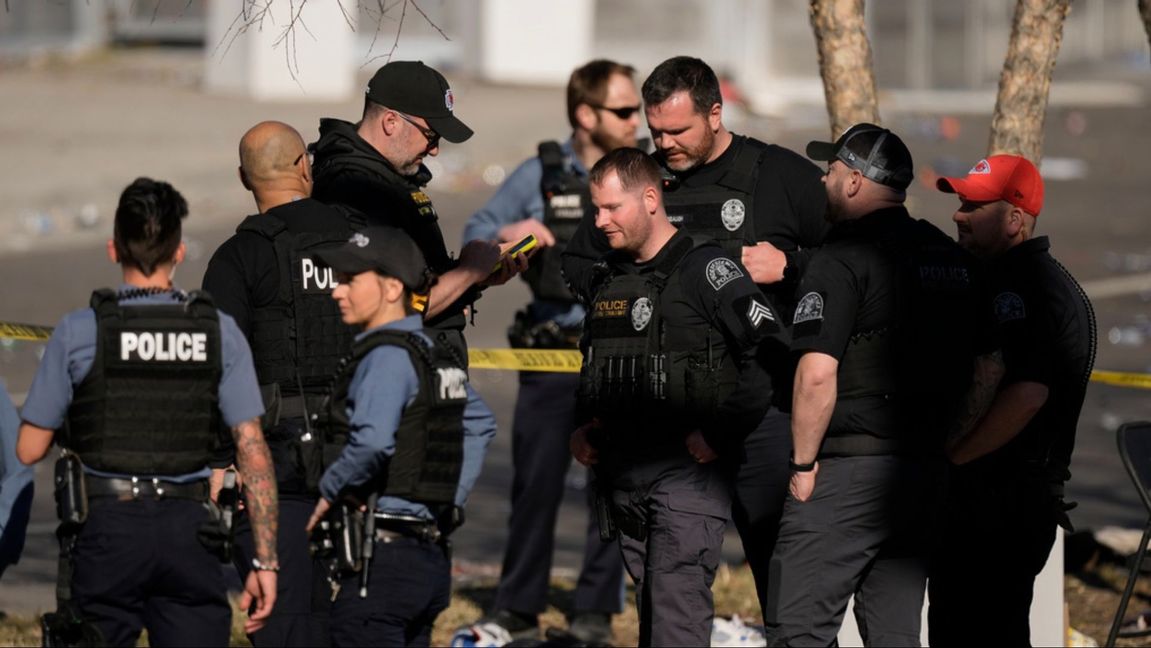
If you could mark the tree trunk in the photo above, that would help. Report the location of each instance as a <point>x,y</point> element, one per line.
<point>1036,34</point>
<point>844,63</point>
<point>1145,13</point>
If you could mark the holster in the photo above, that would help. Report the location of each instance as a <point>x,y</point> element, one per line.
<point>218,532</point>
<point>338,538</point>
<point>65,626</point>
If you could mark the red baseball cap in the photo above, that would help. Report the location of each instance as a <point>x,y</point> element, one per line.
<point>1000,177</point>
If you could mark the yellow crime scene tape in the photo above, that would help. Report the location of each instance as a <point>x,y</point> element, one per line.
<point>551,360</point>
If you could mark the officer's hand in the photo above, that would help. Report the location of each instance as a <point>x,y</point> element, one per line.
<point>318,514</point>
<point>764,262</point>
<point>582,449</point>
<point>479,257</point>
<point>698,447</point>
<point>258,599</point>
<point>215,483</point>
<point>803,483</point>
<point>517,231</point>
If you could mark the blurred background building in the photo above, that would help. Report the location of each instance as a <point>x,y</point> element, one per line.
<point>765,46</point>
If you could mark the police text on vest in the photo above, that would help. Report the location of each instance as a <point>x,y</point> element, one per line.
<point>453,383</point>
<point>182,347</point>
<point>321,278</point>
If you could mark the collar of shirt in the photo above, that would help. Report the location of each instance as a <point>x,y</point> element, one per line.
<point>568,147</point>
<point>1032,246</point>
<point>159,297</point>
<point>409,323</point>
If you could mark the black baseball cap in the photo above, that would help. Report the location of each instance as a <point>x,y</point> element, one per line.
<point>387,250</point>
<point>874,151</point>
<point>416,89</point>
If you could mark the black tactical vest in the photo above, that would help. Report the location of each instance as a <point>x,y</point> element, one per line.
<point>567,199</point>
<point>640,368</point>
<point>724,210</point>
<point>149,405</point>
<point>429,440</point>
<point>916,369</point>
<point>299,339</point>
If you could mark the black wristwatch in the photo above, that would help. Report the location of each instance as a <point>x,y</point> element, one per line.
<point>795,467</point>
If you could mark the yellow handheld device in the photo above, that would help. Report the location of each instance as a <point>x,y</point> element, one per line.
<point>525,244</point>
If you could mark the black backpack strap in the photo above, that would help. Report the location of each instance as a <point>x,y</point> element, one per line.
<point>266,225</point>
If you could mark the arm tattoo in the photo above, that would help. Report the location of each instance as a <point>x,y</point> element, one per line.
<point>988,371</point>
<point>255,463</point>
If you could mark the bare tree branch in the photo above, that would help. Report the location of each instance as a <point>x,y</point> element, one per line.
<point>437,27</point>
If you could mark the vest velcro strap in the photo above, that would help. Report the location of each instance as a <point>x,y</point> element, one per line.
<point>131,488</point>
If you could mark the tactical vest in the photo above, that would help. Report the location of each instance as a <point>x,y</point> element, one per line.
<point>299,338</point>
<point>723,210</point>
<point>429,440</point>
<point>567,199</point>
<point>917,367</point>
<point>149,405</point>
<point>639,367</point>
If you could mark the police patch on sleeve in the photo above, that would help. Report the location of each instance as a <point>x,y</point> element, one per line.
<point>640,313</point>
<point>722,271</point>
<point>732,214</point>
<point>810,308</point>
<point>1008,307</point>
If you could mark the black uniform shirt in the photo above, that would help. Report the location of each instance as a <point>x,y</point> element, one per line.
<point>1045,326</point>
<point>789,206</point>
<point>252,258</point>
<point>895,301</point>
<point>707,291</point>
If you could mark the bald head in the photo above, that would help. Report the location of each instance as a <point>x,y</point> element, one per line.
<point>270,151</point>
<point>274,165</point>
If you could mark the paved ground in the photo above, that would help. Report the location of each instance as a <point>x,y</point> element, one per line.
<point>74,134</point>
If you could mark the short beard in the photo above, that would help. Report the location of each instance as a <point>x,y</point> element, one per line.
<point>606,142</point>
<point>695,157</point>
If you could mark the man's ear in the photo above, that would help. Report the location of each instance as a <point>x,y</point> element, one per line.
<point>586,117</point>
<point>650,199</point>
<point>244,178</point>
<point>181,252</point>
<point>1013,221</point>
<point>389,122</point>
<point>113,256</point>
<point>854,183</point>
<point>715,117</point>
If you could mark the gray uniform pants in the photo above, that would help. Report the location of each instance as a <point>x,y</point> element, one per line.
<point>864,531</point>
<point>684,507</point>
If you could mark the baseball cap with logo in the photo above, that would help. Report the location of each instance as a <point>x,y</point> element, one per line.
<point>387,250</point>
<point>1000,177</point>
<point>874,151</point>
<point>416,89</point>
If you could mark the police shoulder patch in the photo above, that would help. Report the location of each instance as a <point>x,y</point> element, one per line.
<point>1009,306</point>
<point>810,308</point>
<point>722,271</point>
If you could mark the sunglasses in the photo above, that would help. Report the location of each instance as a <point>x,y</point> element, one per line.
<point>432,136</point>
<point>623,113</point>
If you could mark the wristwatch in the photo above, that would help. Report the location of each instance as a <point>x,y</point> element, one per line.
<point>795,467</point>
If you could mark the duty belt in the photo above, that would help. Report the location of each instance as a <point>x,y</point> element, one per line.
<point>133,488</point>
<point>391,527</point>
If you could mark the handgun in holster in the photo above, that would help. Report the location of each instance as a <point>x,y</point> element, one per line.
<point>218,532</point>
<point>338,539</point>
<point>66,626</point>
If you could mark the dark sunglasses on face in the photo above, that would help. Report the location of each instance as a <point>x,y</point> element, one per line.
<point>623,113</point>
<point>432,136</point>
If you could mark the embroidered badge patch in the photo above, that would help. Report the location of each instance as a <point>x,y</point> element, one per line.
<point>809,308</point>
<point>640,313</point>
<point>1008,307</point>
<point>722,271</point>
<point>732,214</point>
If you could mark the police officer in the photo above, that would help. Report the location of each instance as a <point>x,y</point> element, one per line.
<point>266,276</point>
<point>1006,489</point>
<point>883,328</point>
<point>16,486</point>
<point>546,197</point>
<point>407,108</point>
<point>397,412</point>
<point>136,385</point>
<point>669,384</point>
<point>765,205</point>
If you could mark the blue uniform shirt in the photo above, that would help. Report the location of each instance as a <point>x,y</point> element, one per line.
<point>71,350</point>
<point>384,384</point>
<point>517,199</point>
<point>15,486</point>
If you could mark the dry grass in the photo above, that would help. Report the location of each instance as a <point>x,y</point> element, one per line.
<point>1092,596</point>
